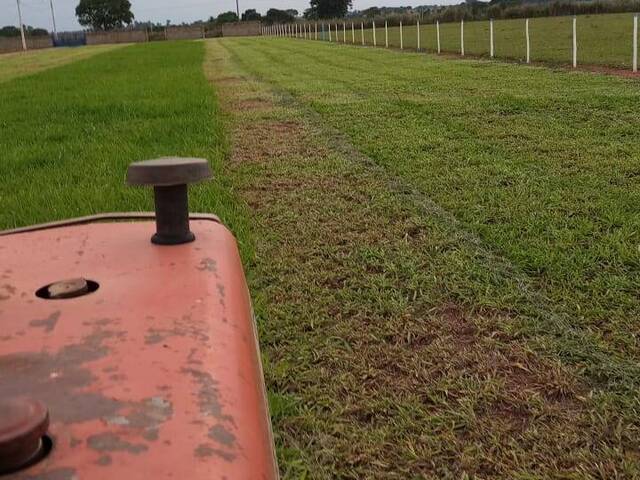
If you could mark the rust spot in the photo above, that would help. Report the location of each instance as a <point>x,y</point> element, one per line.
<point>58,474</point>
<point>60,379</point>
<point>229,457</point>
<point>110,442</point>
<point>6,291</point>
<point>209,395</point>
<point>203,450</point>
<point>48,323</point>
<point>222,435</point>
<point>151,413</point>
<point>151,435</point>
<point>104,460</point>
<point>208,264</point>
<point>153,337</point>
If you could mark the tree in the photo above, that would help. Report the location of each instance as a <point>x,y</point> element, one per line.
<point>250,15</point>
<point>9,31</point>
<point>371,12</point>
<point>310,14</point>
<point>278,16</point>
<point>104,14</point>
<point>330,8</point>
<point>227,17</point>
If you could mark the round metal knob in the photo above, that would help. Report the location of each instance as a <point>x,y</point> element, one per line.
<point>72,288</point>
<point>23,423</point>
<point>169,177</point>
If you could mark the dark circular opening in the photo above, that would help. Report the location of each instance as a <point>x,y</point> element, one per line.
<point>44,449</point>
<point>45,292</point>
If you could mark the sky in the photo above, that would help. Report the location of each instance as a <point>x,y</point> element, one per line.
<point>37,13</point>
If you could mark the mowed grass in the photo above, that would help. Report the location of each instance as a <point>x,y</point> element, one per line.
<point>459,301</point>
<point>534,168</point>
<point>602,39</point>
<point>67,134</point>
<point>13,65</point>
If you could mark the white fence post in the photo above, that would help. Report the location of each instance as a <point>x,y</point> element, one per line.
<point>344,32</point>
<point>462,37</point>
<point>491,52</point>
<point>635,42</point>
<point>329,32</point>
<point>526,28</point>
<point>316,30</point>
<point>375,43</point>
<point>362,32</point>
<point>337,38</point>
<point>438,34</point>
<point>353,34</point>
<point>401,39</point>
<point>386,35</point>
<point>418,33</point>
<point>575,43</point>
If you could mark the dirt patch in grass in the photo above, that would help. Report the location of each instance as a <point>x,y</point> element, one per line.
<point>268,140</point>
<point>253,104</point>
<point>385,373</point>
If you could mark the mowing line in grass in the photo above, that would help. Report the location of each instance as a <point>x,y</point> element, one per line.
<point>396,345</point>
<point>15,65</point>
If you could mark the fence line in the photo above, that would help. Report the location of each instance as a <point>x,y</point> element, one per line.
<point>575,43</point>
<point>491,38</point>
<point>526,33</point>
<point>635,43</point>
<point>304,30</point>
<point>386,35</point>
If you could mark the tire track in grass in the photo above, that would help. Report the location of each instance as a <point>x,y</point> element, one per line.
<point>377,366</point>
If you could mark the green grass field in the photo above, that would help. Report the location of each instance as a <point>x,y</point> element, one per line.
<point>602,39</point>
<point>15,65</point>
<point>68,133</point>
<point>443,255</point>
<point>535,168</point>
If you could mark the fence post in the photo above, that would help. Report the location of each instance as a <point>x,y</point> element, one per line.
<point>375,43</point>
<point>401,40</point>
<point>337,38</point>
<point>362,32</point>
<point>353,34</point>
<point>438,33</point>
<point>418,32</point>
<point>575,43</point>
<point>491,53</point>
<point>386,35</point>
<point>462,38</point>
<point>635,42</point>
<point>329,32</point>
<point>344,31</point>
<point>526,28</point>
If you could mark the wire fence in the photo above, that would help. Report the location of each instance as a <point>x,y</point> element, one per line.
<point>606,40</point>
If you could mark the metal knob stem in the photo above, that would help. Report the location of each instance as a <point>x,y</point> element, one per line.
<point>169,177</point>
